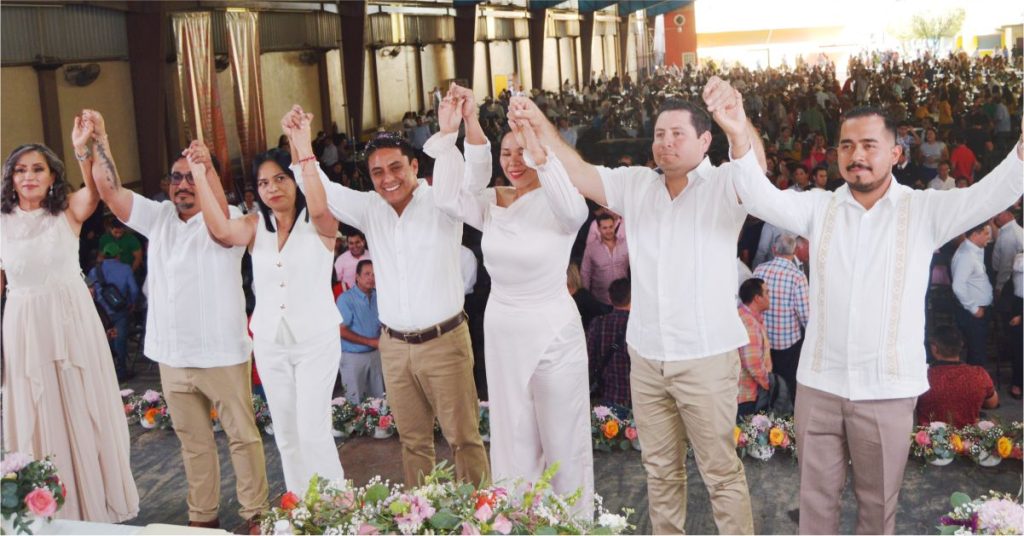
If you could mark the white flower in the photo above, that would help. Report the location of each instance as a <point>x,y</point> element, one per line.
<point>127,392</point>
<point>615,523</point>
<point>14,462</point>
<point>282,526</point>
<point>300,515</point>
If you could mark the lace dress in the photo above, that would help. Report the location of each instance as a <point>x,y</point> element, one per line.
<point>60,393</point>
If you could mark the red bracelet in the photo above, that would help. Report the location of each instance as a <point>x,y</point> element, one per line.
<point>309,158</point>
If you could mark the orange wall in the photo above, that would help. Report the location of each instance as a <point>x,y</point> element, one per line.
<point>677,42</point>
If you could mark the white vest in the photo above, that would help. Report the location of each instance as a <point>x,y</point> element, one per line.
<point>293,284</point>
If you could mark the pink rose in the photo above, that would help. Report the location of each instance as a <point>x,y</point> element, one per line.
<point>483,513</point>
<point>502,525</point>
<point>151,396</point>
<point>631,433</point>
<point>470,529</point>
<point>785,441</point>
<point>985,425</point>
<point>386,420</point>
<point>922,438</point>
<point>41,502</point>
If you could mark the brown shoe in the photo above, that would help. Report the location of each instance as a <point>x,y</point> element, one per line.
<point>252,525</point>
<point>214,524</point>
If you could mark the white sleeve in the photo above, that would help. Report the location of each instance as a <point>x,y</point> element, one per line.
<point>144,215</point>
<point>568,205</point>
<point>954,211</point>
<point>345,204</point>
<point>788,209</point>
<point>454,181</point>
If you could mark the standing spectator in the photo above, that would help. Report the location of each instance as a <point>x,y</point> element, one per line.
<point>932,150</point>
<point>787,317</point>
<point>604,261</point>
<point>248,204</point>
<point>1009,243</point>
<point>126,241</point>
<point>345,265</point>
<point>360,337</point>
<point>588,306</point>
<point>606,346</point>
<point>755,356</point>
<point>113,273</point>
<point>1016,331</point>
<point>956,392</point>
<point>974,290</point>
<point>963,159</point>
<point>801,180</point>
<point>943,180</point>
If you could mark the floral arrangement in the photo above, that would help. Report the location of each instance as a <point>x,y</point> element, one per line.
<point>129,401</point>
<point>151,410</point>
<point>996,513</point>
<point>936,442</point>
<point>485,420</point>
<point>760,435</point>
<point>261,412</point>
<point>607,430</point>
<point>631,434</point>
<point>343,414</point>
<point>440,506</point>
<point>986,440</point>
<point>30,490</point>
<point>374,414</point>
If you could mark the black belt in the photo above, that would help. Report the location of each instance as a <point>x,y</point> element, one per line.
<point>429,334</point>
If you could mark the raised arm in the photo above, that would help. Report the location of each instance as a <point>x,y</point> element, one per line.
<point>477,175</point>
<point>296,125</point>
<point>453,190</point>
<point>568,206</point>
<point>584,176</point>
<point>236,232</point>
<point>104,171</point>
<point>82,203</point>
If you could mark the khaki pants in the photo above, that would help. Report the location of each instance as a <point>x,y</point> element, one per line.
<point>435,379</point>
<point>833,431</point>
<point>676,402</point>
<point>190,392</point>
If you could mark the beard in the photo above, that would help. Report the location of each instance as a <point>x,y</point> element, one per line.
<point>861,186</point>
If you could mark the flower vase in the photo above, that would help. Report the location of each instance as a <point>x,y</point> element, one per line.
<point>36,525</point>
<point>217,427</point>
<point>147,424</point>
<point>349,429</point>
<point>941,461</point>
<point>987,459</point>
<point>337,433</point>
<point>269,429</point>
<point>636,444</point>
<point>382,433</point>
<point>761,452</point>
<point>486,437</point>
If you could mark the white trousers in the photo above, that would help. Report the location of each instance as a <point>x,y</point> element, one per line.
<point>556,427</point>
<point>299,380</point>
<point>361,375</point>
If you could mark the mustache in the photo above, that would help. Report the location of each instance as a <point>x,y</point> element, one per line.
<point>852,167</point>
<point>184,191</point>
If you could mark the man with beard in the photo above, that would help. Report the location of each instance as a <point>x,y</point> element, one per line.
<point>196,331</point>
<point>862,365</point>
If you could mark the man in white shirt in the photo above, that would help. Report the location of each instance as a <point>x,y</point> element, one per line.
<point>863,365</point>
<point>943,180</point>
<point>1008,244</point>
<point>974,290</point>
<point>416,233</point>
<point>196,331</point>
<point>684,329</point>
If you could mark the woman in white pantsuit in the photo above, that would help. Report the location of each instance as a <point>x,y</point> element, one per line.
<point>536,352</point>
<point>296,341</point>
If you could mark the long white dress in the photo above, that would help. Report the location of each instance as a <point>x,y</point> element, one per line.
<point>536,352</point>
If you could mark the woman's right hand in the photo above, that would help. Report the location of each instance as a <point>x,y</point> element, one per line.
<point>99,128</point>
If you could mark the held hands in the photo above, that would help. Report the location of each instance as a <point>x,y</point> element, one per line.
<point>297,126</point>
<point>81,135</point>
<point>449,114</point>
<point>725,104</point>
<point>466,98</point>
<point>99,128</point>
<point>527,138</point>
<point>198,157</point>
<point>525,111</point>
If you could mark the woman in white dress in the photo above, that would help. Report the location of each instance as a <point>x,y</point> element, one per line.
<point>535,347</point>
<point>296,341</point>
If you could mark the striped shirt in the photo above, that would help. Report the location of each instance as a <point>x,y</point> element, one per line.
<point>755,357</point>
<point>789,309</point>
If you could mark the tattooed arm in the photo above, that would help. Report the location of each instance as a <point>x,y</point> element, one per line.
<point>82,203</point>
<point>104,171</point>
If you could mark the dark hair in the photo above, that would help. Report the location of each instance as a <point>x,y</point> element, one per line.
<point>699,117</point>
<point>604,216</point>
<point>389,140</point>
<point>868,111</point>
<point>798,165</point>
<point>178,156</point>
<point>751,289</point>
<point>976,229</point>
<point>356,232</point>
<point>361,264</point>
<point>56,200</point>
<point>284,159</point>
<point>619,292</point>
<point>947,340</point>
<point>817,169</point>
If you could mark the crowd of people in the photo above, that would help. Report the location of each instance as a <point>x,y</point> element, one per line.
<point>782,237</point>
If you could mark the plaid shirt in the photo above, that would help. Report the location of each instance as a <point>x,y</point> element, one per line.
<point>606,345</point>
<point>755,357</point>
<point>789,296</point>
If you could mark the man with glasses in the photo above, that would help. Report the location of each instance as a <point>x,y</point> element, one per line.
<point>415,231</point>
<point>196,331</point>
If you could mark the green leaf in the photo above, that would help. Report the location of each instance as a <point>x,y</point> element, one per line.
<point>602,530</point>
<point>465,490</point>
<point>546,530</point>
<point>947,530</point>
<point>959,499</point>
<point>376,493</point>
<point>444,520</point>
<point>9,493</point>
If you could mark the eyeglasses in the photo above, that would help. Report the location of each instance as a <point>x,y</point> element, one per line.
<point>386,140</point>
<point>176,178</point>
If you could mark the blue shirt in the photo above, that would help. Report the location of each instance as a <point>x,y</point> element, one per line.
<point>359,314</point>
<point>119,275</point>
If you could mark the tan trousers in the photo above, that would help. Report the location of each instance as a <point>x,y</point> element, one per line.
<point>680,402</point>
<point>435,379</point>
<point>190,392</point>
<point>832,431</point>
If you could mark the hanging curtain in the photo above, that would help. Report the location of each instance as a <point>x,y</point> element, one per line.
<point>197,80</point>
<point>244,50</point>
